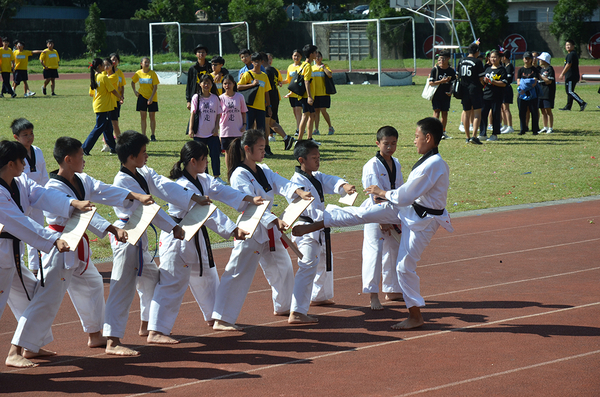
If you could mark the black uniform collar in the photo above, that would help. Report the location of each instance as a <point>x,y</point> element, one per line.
<point>259,175</point>
<point>13,189</point>
<point>138,177</point>
<point>314,181</point>
<point>392,172</point>
<point>79,193</point>
<point>430,153</point>
<point>194,181</point>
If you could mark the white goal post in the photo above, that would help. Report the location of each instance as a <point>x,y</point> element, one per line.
<point>379,52</point>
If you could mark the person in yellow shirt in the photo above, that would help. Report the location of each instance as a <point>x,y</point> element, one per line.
<point>50,61</point>
<point>307,101</point>
<point>292,70</point>
<point>7,65</point>
<point>320,72</point>
<point>147,101</point>
<point>21,63</point>
<point>116,113</point>
<point>217,64</point>
<point>102,89</point>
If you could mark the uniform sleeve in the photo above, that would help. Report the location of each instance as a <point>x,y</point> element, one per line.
<point>106,194</point>
<point>24,228</point>
<point>283,186</point>
<point>411,190</point>
<point>42,166</point>
<point>226,194</point>
<point>167,190</point>
<point>136,77</point>
<point>369,175</point>
<point>155,80</point>
<point>331,183</point>
<point>50,200</point>
<point>98,225</point>
<point>220,223</point>
<point>245,79</point>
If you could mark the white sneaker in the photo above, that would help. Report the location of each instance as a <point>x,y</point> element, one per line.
<point>221,181</point>
<point>504,127</point>
<point>490,127</point>
<point>318,143</point>
<point>492,138</point>
<point>105,148</point>
<point>272,139</point>
<point>461,127</point>
<point>508,130</point>
<point>471,129</point>
<point>549,131</point>
<point>544,129</point>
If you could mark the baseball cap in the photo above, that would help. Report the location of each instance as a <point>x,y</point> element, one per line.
<point>527,54</point>
<point>200,47</point>
<point>544,56</point>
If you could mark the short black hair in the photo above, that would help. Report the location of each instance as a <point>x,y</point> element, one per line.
<point>473,48</point>
<point>130,143</point>
<point>19,125</point>
<point>386,131</point>
<point>506,54</point>
<point>65,146</point>
<point>432,126</point>
<point>5,39</point>
<point>570,42</point>
<point>245,51</point>
<point>308,49</point>
<point>303,148</point>
<point>11,151</point>
<point>218,59</point>
<point>444,53</point>
<point>256,57</point>
<point>49,41</point>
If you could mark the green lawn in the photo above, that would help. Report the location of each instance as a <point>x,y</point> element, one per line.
<point>514,170</point>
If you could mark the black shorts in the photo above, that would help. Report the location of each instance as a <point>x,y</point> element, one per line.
<point>226,142</point>
<point>323,101</point>
<point>115,113</point>
<point>546,103</point>
<point>472,98</point>
<point>50,73</point>
<point>306,108</point>
<point>294,102</point>
<point>508,94</point>
<point>142,105</point>
<point>20,75</point>
<point>274,97</point>
<point>441,102</point>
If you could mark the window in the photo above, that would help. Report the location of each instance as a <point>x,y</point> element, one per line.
<point>527,15</point>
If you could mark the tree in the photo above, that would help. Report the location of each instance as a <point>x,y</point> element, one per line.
<point>391,32</point>
<point>569,17</point>
<point>264,17</point>
<point>169,11</point>
<point>95,31</point>
<point>8,8</point>
<point>216,10</point>
<point>488,18</point>
<point>119,9</point>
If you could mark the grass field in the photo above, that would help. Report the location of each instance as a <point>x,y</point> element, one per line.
<point>514,170</point>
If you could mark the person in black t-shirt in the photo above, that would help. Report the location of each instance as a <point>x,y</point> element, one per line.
<point>471,73</point>
<point>547,91</point>
<point>527,99</point>
<point>441,75</point>
<point>507,100</point>
<point>571,75</point>
<point>493,93</point>
<point>202,66</point>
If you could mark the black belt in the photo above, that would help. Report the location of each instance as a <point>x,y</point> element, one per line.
<point>211,261</point>
<point>17,259</point>
<point>423,211</point>
<point>327,230</point>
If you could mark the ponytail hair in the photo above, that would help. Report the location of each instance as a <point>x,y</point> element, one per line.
<point>93,66</point>
<point>232,80</point>
<point>191,150</point>
<point>236,154</point>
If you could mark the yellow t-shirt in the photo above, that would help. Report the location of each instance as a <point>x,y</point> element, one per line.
<point>22,59</point>
<point>306,71</point>
<point>114,80</point>
<point>218,84</point>
<point>50,58</point>
<point>122,80</point>
<point>102,95</point>
<point>292,70</point>
<point>147,82</point>
<point>7,58</point>
<point>264,87</point>
<point>319,77</point>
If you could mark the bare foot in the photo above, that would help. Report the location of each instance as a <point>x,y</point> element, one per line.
<point>285,313</point>
<point>414,320</point>
<point>375,303</point>
<point>15,358</point>
<point>114,347</point>
<point>394,296</point>
<point>221,325</point>
<point>143,328</point>
<point>299,318</point>
<point>326,302</point>
<point>157,338</point>
<point>96,340</point>
<point>40,353</point>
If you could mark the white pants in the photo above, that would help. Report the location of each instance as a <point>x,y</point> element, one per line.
<point>175,276</point>
<point>33,259</point>
<point>34,327</point>
<point>123,283</point>
<point>11,289</point>
<point>412,244</point>
<point>379,258</point>
<point>312,281</point>
<point>87,294</point>
<point>239,273</point>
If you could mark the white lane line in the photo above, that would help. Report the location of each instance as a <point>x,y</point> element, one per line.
<point>511,371</point>
<point>437,333</point>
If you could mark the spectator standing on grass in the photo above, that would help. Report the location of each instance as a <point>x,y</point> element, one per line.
<point>21,63</point>
<point>7,65</point>
<point>547,91</point>
<point>527,77</point>
<point>50,62</point>
<point>272,123</point>
<point>571,75</point>
<point>202,66</point>
<point>442,75</point>
<point>493,93</point>
<point>147,100</point>
<point>320,72</point>
<point>471,73</point>
<point>294,99</point>
<point>507,100</point>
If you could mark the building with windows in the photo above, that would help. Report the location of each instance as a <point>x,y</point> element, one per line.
<point>537,11</point>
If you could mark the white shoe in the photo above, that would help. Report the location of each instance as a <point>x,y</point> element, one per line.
<point>508,130</point>
<point>461,127</point>
<point>221,181</point>
<point>105,148</point>
<point>543,130</point>
<point>272,139</point>
<point>549,131</point>
<point>492,138</point>
<point>490,127</point>
<point>504,127</point>
<point>471,129</point>
<point>318,143</point>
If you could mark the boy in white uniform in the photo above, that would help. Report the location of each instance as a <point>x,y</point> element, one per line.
<point>315,265</point>
<point>419,204</point>
<point>133,266</point>
<point>18,194</point>
<point>380,247</point>
<point>35,168</point>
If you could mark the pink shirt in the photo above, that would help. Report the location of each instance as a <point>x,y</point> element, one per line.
<point>210,108</point>
<point>231,116</point>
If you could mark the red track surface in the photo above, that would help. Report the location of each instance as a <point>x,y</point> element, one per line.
<point>513,309</point>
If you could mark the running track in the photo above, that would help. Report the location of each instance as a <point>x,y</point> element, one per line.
<point>513,309</point>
